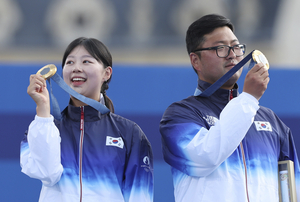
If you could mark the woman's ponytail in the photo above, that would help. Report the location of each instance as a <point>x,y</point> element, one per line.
<point>108,101</point>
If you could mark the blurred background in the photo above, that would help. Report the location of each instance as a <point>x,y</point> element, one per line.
<point>151,67</point>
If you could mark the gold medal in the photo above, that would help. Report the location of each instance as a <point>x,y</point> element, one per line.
<point>259,57</point>
<point>47,71</point>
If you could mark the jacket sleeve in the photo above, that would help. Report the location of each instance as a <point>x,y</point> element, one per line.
<point>197,150</point>
<point>138,183</point>
<point>40,151</point>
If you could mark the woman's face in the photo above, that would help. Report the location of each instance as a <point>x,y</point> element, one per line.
<point>84,74</point>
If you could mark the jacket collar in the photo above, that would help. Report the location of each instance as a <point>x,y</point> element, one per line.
<point>220,94</point>
<point>74,113</point>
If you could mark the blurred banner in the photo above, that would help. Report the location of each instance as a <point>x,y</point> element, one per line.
<point>147,25</point>
<point>35,23</point>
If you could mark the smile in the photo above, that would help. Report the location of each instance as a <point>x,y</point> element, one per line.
<point>78,79</point>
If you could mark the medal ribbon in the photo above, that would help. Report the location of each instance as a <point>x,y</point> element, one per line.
<point>211,89</point>
<point>61,83</point>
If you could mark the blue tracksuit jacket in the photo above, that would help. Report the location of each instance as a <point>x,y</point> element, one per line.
<point>222,150</point>
<point>88,157</point>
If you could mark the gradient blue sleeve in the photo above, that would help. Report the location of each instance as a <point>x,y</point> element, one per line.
<point>40,151</point>
<point>196,149</point>
<point>138,183</point>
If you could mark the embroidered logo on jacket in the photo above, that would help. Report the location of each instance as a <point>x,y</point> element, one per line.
<point>114,141</point>
<point>263,126</point>
<point>146,165</point>
<point>210,120</point>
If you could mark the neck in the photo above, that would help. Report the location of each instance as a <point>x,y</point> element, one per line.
<point>77,103</point>
<point>229,87</point>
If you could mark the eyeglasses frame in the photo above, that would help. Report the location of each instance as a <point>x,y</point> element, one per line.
<point>217,47</point>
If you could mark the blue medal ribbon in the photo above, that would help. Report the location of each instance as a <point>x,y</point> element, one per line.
<point>61,83</point>
<point>215,86</point>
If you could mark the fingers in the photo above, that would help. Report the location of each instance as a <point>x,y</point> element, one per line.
<point>264,73</point>
<point>259,68</point>
<point>256,80</point>
<point>38,92</point>
<point>261,71</point>
<point>37,83</point>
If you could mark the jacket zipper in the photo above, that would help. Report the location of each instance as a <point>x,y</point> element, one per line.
<point>80,150</point>
<point>231,94</point>
<point>244,161</point>
<point>243,154</point>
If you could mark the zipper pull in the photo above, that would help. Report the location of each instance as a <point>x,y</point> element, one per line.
<point>81,117</point>
<point>231,94</point>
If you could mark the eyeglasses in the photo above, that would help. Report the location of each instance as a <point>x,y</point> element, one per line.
<point>223,51</point>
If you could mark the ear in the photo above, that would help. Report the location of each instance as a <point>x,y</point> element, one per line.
<point>195,61</point>
<point>108,73</point>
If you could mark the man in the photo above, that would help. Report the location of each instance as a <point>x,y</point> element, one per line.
<point>224,147</point>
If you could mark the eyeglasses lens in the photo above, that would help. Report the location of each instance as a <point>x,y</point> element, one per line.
<point>223,51</point>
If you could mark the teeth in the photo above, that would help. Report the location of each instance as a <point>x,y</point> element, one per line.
<point>78,79</point>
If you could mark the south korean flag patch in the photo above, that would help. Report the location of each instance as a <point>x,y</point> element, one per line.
<point>263,126</point>
<point>114,141</point>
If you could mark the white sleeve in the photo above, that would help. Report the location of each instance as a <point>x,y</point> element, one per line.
<point>209,148</point>
<point>40,156</point>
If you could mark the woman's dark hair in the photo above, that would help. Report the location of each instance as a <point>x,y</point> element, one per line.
<point>101,53</point>
<point>204,25</point>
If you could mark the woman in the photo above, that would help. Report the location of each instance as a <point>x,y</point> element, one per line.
<point>86,156</point>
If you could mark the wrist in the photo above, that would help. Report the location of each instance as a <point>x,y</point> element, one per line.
<point>43,111</point>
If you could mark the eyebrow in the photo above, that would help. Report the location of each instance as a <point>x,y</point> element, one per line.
<point>223,42</point>
<point>84,56</point>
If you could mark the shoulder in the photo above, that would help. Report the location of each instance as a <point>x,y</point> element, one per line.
<point>124,123</point>
<point>128,129</point>
<point>121,120</point>
<point>187,106</point>
<point>268,115</point>
<point>189,110</point>
<point>267,112</point>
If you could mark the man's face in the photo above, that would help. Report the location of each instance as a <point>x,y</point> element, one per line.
<point>209,66</point>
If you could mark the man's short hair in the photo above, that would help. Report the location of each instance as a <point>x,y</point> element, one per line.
<point>202,26</point>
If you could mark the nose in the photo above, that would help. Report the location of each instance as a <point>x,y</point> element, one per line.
<point>231,53</point>
<point>77,68</point>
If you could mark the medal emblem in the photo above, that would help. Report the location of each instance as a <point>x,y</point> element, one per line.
<point>259,57</point>
<point>47,71</point>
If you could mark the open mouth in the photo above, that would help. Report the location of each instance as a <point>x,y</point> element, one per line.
<point>77,79</point>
